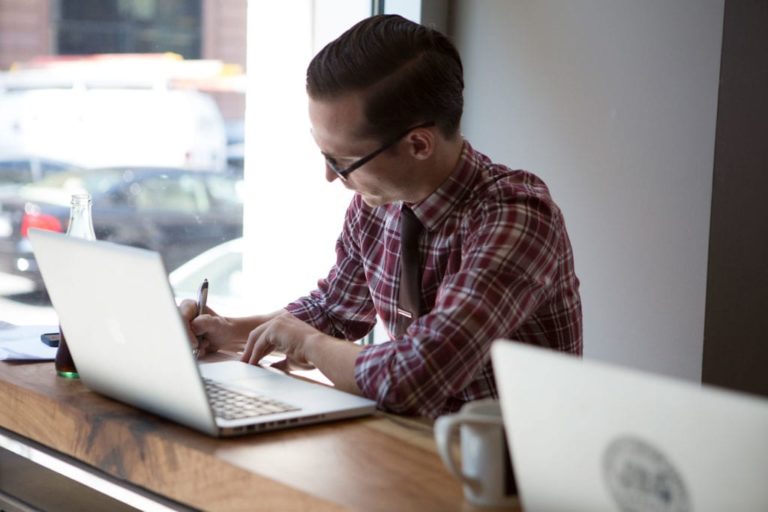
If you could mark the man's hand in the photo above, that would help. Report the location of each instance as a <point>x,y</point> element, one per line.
<point>210,332</point>
<point>304,347</point>
<point>284,333</point>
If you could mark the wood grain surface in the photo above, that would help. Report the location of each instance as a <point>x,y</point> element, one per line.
<point>379,463</point>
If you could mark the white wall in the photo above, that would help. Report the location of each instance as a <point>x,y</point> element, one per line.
<point>613,103</point>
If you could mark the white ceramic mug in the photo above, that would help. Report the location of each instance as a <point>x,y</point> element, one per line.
<point>486,469</point>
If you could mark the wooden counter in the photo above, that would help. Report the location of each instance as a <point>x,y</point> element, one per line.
<point>382,462</point>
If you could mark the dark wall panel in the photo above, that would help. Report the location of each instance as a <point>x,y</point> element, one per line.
<point>736,329</point>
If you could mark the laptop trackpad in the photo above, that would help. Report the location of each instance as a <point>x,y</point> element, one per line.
<point>263,381</point>
<point>233,372</point>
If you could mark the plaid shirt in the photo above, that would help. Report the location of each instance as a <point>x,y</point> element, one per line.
<point>496,263</point>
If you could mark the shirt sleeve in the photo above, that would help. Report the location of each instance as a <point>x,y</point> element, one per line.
<point>509,261</point>
<point>341,305</point>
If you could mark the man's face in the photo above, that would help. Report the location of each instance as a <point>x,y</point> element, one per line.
<point>336,127</point>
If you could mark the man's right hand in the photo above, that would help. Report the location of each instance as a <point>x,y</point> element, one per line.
<point>210,332</point>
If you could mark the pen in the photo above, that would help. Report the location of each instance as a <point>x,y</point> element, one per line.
<point>202,298</point>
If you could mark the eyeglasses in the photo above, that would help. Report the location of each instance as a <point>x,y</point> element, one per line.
<point>342,173</point>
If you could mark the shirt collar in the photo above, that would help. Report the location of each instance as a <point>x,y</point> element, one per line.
<point>434,209</point>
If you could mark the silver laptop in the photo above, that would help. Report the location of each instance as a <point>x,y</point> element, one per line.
<point>129,342</point>
<point>589,436</point>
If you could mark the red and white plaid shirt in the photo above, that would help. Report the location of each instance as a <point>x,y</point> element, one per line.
<point>496,263</point>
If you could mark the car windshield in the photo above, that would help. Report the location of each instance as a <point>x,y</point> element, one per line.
<point>14,176</point>
<point>222,270</point>
<point>15,171</point>
<point>58,188</point>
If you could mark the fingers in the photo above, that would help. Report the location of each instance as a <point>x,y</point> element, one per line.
<point>201,325</point>
<point>258,345</point>
<point>208,332</point>
<point>212,334</point>
<point>284,334</point>
<point>188,309</point>
<point>204,346</point>
<point>203,332</point>
<point>197,325</point>
<point>209,323</point>
<point>248,349</point>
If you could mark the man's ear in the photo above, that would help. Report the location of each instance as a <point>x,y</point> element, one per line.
<point>421,143</point>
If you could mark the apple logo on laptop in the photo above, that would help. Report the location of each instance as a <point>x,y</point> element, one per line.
<point>642,479</point>
<point>115,333</point>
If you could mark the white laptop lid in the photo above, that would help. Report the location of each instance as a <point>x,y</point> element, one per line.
<point>129,342</point>
<point>589,436</point>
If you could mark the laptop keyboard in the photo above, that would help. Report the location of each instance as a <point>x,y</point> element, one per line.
<point>230,404</point>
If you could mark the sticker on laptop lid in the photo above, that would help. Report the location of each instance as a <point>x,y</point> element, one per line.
<point>642,479</point>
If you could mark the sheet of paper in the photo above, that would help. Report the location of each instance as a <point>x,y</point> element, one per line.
<point>22,343</point>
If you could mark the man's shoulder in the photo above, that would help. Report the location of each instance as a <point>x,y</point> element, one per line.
<point>501,185</point>
<point>501,180</point>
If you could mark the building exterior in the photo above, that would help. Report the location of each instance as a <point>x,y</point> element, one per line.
<point>194,29</point>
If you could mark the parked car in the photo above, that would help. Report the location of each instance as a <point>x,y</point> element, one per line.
<point>176,212</point>
<point>16,170</point>
<point>222,265</point>
<point>98,126</point>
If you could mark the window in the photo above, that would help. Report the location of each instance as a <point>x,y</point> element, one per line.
<point>105,96</point>
<point>19,171</point>
<point>224,191</point>
<point>180,194</point>
<point>16,171</point>
<point>118,85</point>
<point>86,27</point>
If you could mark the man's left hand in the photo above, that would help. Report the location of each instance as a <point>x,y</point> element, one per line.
<point>286,334</point>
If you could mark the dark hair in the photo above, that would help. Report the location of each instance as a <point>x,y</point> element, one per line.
<point>408,74</point>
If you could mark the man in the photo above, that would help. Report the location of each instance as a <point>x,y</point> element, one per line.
<point>491,252</point>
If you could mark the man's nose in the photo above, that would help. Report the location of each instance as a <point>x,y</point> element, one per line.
<point>330,175</point>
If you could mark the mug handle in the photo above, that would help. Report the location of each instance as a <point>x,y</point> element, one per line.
<point>444,428</point>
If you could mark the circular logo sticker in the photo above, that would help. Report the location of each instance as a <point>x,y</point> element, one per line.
<point>642,479</point>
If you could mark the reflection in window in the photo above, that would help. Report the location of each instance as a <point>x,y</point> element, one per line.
<point>225,192</point>
<point>18,171</point>
<point>119,92</point>
<point>129,26</point>
<point>180,194</point>
<point>15,172</point>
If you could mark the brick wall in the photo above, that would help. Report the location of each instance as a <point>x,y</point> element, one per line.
<point>24,30</point>
<point>224,38</point>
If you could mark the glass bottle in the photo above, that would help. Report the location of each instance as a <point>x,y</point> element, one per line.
<point>80,226</point>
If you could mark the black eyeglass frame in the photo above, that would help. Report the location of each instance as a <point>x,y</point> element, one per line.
<point>343,173</point>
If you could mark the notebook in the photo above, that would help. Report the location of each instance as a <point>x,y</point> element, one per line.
<point>129,342</point>
<point>587,436</point>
